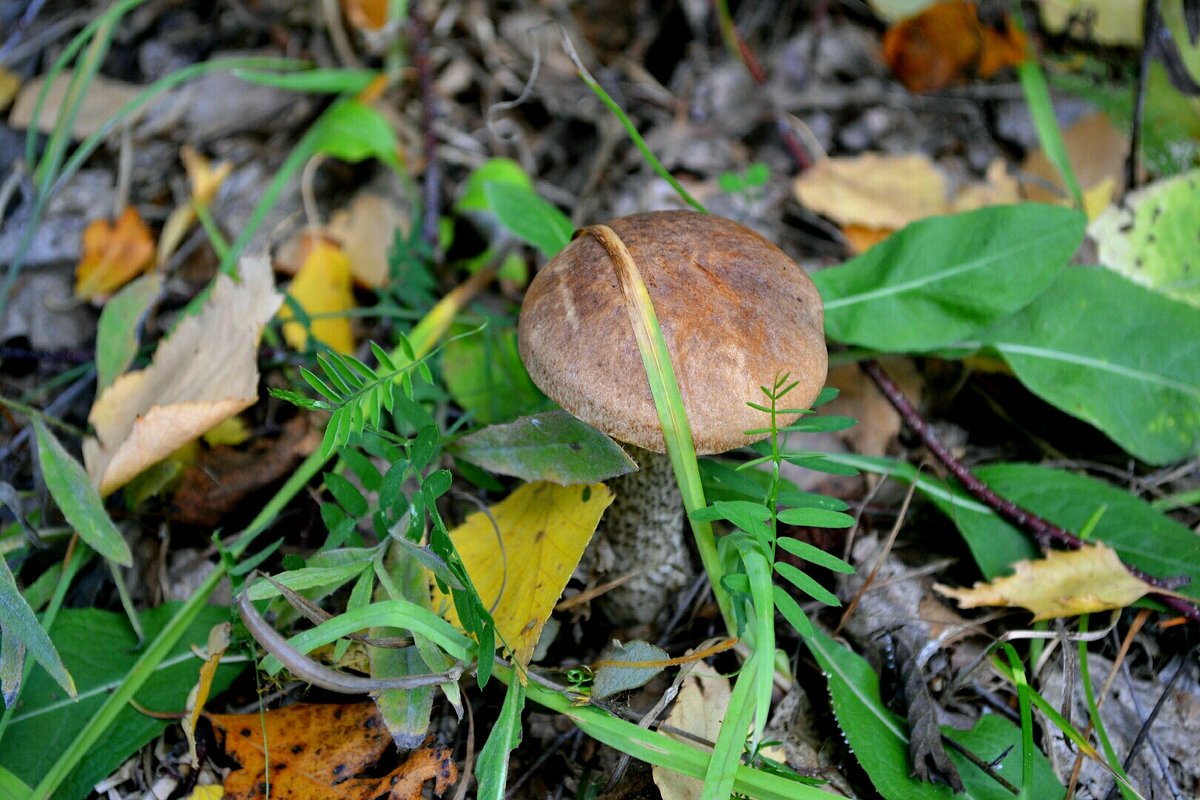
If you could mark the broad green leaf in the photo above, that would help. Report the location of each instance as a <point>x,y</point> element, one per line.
<point>116,333</point>
<point>528,217</point>
<point>22,633</point>
<point>879,738</point>
<point>1150,237</point>
<point>1115,354</point>
<point>12,787</point>
<point>78,500</point>
<point>353,131</point>
<point>485,376</point>
<point>816,517</point>
<point>492,770</point>
<point>623,667</point>
<point>553,446</point>
<point>943,279</point>
<point>494,170</point>
<point>99,648</point>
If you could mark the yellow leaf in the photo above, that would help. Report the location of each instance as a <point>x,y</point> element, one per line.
<point>113,255</point>
<point>205,181</point>
<point>1063,584</point>
<point>203,374</point>
<point>322,287</point>
<point>9,84</point>
<point>543,530</point>
<point>874,190</point>
<point>210,792</point>
<point>218,643</point>
<point>231,432</point>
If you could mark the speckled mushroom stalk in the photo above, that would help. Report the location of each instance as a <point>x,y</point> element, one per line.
<point>735,313</point>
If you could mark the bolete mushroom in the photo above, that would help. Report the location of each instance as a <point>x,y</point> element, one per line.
<point>735,312</point>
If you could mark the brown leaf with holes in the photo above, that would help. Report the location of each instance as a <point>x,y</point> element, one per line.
<point>947,44</point>
<point>1063,584</point>
<point>317,752</point>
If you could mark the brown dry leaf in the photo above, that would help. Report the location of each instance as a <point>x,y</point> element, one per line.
<point>367,228</point>
<point>103,98</point>
<point>322,288</point>
<point>946,44</point>
<point>997,188</point>
<point>859,398</point>
<point>317,752</point>
<point>205,372</point>
<point>113,255</point>
<point>217,480</point>
<point>698,710</point>
<point>1096,150</point>
<point>1063,584</point>
<point>368,14</point>
<point>521,554</point>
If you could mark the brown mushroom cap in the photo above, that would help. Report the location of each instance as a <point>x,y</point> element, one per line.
<point>734,310</point>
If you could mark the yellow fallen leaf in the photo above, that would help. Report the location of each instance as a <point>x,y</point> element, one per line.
<point>218,643</point>
<point>9,84</point>
<point>210,792</point>
<point>231,432</point>
<point>204,373</point>
<point>874,190</point>
<point>113,255</point>
<point>543,530</point>
<point>205,181</point>
<point>1063,584</point>
<point>322,288</point>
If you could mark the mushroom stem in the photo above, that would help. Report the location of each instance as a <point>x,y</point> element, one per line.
<point>643,537</point>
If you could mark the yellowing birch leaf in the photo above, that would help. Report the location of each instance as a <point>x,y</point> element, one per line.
<point>874,190</point>
<point>113,255</point>
<point>543,530</point>
<point>204,373</point>
<point>1063,584</point>
<point>322,287</point>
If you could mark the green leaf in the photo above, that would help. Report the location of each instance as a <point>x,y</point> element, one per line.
<point>942,279</point>
<point>492,769</point>
<point>553,446</point>
<point>814,555</point>
<point>340,80</point>
<point>816,517</point>
<point>100,648</point>
<point>485,376</point>
<point>353,131</point>
<point>496,171</point>
<point>78,500</point>
<point>1115,354</point>
<point>347,494</point>
<point>117,330</point>
<point>879,738</point>
<point>751,517</point>
<point>528,217</point>
<point>12,787</point>
<point>806,584</point>
<point>22,633</point>
<point>1150,238</point>
<point>621,677</point>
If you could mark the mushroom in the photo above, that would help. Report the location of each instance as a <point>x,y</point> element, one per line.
<point>735,312</point>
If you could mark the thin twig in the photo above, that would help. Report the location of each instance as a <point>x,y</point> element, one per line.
<point>431,187</point>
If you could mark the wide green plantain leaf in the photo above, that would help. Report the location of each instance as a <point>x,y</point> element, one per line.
<point>1115,354</point>
<point>942,279</point>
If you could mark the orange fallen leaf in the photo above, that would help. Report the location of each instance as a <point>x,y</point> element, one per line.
<point>947,44</point>
<point>320,751</point>
<point>1063,584</point>
<point>322,288</point>
<point>113,255</point>
<point>368,14</point>
<point>204,373</point>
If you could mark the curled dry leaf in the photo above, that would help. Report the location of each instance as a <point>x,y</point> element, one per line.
<point>699,709</point>
<point>204,373</point>
<point>113,255</point>
<point>1063,584</point>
